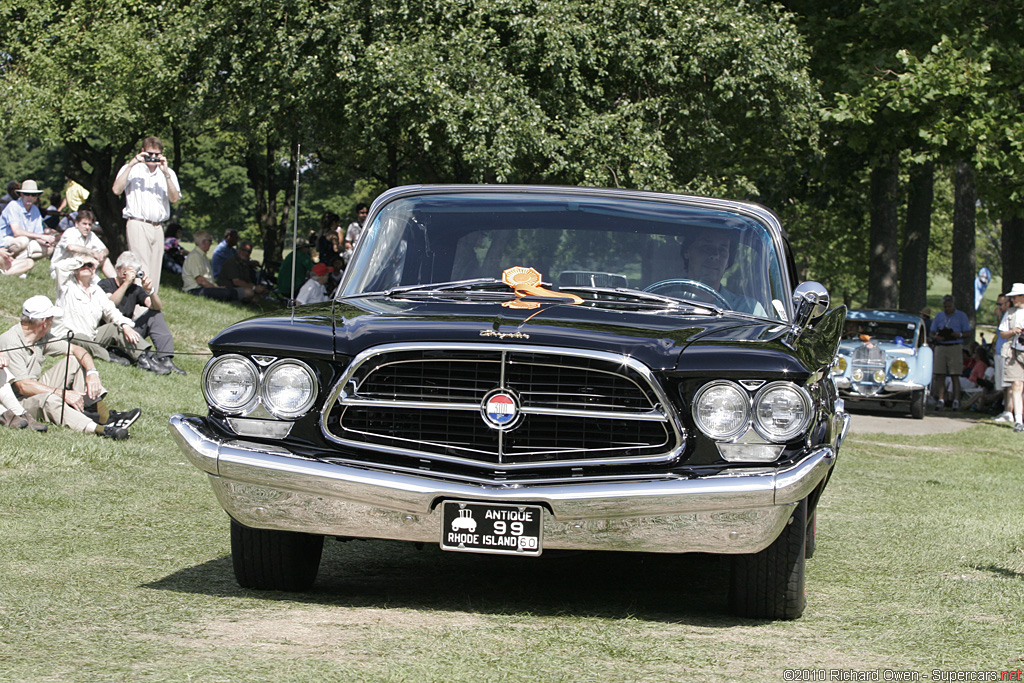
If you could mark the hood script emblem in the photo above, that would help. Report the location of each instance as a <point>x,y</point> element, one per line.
<point>504,335</point>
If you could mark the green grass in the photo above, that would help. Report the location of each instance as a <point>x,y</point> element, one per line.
<point>115,566</point>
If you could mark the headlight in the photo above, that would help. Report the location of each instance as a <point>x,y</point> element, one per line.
<point>879,376</point>
<point>899,368</point>
<point>858,375</point>
<point>229,383</point>
<point>840,366</point>
<point>782,410</point>
<point>721,410</point>
<point>289,389</point>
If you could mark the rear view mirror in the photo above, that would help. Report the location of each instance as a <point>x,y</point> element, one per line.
<point>810,301</point>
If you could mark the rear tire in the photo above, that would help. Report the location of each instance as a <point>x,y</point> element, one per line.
<point>266,559</point>
<point>917,404</point>
<point>770,584</point>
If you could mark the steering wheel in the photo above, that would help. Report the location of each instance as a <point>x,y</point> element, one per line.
<point>695,286</point>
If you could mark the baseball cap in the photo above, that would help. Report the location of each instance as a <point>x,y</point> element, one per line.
<point>39,307</point>
<point>322,269</point>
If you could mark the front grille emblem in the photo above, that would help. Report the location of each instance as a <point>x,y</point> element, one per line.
<point>500,409</point>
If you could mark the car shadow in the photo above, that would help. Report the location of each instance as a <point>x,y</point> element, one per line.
<point>690,588</point>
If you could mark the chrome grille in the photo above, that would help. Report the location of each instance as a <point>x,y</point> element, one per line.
<point>578,408</point>
<point>867,359</point>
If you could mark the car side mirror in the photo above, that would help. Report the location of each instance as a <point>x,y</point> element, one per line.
<point>810,302</point>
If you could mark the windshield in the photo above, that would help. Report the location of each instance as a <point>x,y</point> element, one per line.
<point>904,333</point>
<point>577,243</point>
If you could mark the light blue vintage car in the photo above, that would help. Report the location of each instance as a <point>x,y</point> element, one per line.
<point>884,359</point>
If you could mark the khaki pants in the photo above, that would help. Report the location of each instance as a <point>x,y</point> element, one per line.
<point>49,406</point>
<point>110,336</point>
<point>146,241</point>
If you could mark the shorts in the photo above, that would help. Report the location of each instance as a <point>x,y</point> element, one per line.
<point>1014,367</point>
<point>949,359</point>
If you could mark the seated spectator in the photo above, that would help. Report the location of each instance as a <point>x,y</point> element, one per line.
<point>238,272</point>
<point>174,253</point>
<point>14,414</point>
<point>129,297</point>
<point>313,290</point>
<point>95,321</point>
<point>303,264</point>
<point>77,242</point>
<point>197,273</point>
<point>22,232</point>
<point>224,251</point>
<point>69,393</point>
<point>51,215</point>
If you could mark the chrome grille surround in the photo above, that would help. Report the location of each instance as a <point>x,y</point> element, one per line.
<point>423,401</point>
<point>867,360</point>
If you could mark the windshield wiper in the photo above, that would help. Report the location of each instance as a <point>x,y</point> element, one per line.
<point>431,287</point>
<point>639,295</point>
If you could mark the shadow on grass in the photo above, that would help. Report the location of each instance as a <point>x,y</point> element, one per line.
<point>385,574</point>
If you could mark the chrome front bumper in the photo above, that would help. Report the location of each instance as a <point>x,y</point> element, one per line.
<point>741,511</point>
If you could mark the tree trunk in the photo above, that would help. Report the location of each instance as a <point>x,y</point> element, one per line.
<point>882,261</point>
<point>108,207</point>
<point>916,237</point>
<point>265,178</point>
<point>964,260</point>
<point>1012,248</point>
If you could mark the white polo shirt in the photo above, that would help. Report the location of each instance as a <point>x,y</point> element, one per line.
<point>145,193</point>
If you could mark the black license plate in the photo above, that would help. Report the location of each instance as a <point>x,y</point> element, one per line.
<point>491,528</point>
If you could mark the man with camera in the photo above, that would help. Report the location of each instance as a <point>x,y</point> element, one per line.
<point>130,297</point>
<point>150,187</point>
<point>949,329</point>
<point>1010,329</point>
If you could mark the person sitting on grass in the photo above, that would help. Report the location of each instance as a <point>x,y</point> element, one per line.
<point>89,313</point>
<point>238,272</point>
<point>69,393</point>
<point>77,241</point>
<point>313,290</point>
<point>130,297</point>
<point>14,416</point>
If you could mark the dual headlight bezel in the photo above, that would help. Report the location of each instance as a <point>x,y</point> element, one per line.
<point>234,385</point>
<point>724,410</point>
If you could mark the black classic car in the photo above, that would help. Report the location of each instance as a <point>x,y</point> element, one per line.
<point>513,370</point>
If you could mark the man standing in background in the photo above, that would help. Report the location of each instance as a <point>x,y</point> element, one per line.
<point>949,329</point>
<point>150,187</point>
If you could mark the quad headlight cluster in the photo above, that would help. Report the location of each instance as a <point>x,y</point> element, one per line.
<point>778,412</point>
<point>234,385</point>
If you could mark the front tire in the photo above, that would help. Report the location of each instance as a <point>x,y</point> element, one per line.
<point>917,405</point>
<point>267,559</point>
<point>770,584</point>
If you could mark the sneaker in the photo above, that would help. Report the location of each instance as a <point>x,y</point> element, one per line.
<point>1003,417</point>
<point>9,419</point>
<point>115,433</point>
<point>1018,427</point>
<point>940,405</point>
<point>33,424</point>
<point>125,419</point>
<point>956,404</point>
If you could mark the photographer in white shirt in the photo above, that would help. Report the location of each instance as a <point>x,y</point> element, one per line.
<point>1010,328</point>
<point>150,187</point>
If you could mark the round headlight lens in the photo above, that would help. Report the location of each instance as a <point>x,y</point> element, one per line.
<point>899,368</point>
<point>722,410</point>
<point>782,411</point>
<point>879,376</point>
<point>229,383</point>
<point>289,388</point>
<point>840,366</point>
<point>858,375</point>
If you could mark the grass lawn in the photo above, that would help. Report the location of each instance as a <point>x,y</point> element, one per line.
<point>116,567</point>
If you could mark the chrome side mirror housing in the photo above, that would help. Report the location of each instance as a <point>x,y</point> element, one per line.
<point>810,302</point>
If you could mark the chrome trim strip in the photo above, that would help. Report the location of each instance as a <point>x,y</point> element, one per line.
<point>740,510</point>
<point>649,416</point>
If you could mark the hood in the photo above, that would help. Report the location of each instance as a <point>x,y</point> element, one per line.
<point>655,338</point>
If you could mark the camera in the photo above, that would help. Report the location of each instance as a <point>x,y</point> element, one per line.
<point>151,158</point>
<point>140,273</point>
